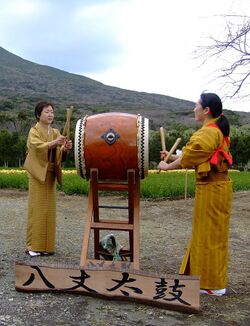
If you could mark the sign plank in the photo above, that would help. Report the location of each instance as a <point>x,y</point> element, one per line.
<point>172,292</point>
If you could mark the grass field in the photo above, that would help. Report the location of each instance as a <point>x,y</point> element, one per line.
<point>169,184</point>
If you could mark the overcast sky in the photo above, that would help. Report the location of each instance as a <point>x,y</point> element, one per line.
<point>142,45</point>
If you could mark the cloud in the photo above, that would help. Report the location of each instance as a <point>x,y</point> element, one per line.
<point>144,45</point>
<point>70,35</point>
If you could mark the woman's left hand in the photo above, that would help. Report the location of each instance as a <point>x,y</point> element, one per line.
<point>67,145</point>
<point>163,154</point>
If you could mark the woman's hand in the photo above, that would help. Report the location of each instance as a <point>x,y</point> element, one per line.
<point>163,154</point>
<point>60,140</point>
<point>176,164</point>
<point>172,157</point>
<point>67,145</point>
<point>163,166</point>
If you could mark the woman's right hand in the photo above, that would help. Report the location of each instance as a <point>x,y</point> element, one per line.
<point>163,166</point>
<point>60,140</point>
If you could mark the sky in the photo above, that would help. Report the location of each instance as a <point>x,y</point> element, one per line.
<point>141,45</point>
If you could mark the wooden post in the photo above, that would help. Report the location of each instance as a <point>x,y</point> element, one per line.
<point>186,182</point>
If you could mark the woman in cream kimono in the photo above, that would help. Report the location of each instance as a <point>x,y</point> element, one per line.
<point>46,149</point>
<point>208,152</point>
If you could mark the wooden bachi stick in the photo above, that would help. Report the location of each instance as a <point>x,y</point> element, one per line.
<point>173,148</point>
<point>162,134</point>
<point>66,130</point>
<point>163,144</point>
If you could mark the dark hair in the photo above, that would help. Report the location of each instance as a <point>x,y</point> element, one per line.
<point>39,107</point>
<point>213,102</point>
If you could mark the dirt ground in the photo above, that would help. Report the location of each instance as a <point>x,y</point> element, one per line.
<point>165,231</point>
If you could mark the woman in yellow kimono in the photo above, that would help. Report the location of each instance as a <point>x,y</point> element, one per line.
<point>46,149</point>
<point>208,152</point>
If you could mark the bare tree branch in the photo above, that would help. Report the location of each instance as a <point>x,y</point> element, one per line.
<point>234,50</point>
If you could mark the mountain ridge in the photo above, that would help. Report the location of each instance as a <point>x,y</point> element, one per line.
<point>24,83</point>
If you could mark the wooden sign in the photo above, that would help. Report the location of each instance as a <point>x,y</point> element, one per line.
<point>172,292</point>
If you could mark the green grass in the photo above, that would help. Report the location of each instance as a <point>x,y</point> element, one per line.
<point>172,185</point>
<point>74,184</point>
<point>241,180</point>
<point>13,180</point>
<point>169,185</point>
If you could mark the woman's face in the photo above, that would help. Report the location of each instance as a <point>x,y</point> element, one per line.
<point>47,115</point>
<point>199,112</point>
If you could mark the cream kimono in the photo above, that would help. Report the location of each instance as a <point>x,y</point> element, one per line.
<point>44,167</point>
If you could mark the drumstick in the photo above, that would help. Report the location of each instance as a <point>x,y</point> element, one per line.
<point>66,130</point>
<point>173,148</point>
<point>163,144</point>
<point>162,134</point>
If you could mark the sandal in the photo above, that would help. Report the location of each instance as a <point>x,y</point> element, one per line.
<point>47,253</point>
<point>218,293</point>
<point>33,253</point>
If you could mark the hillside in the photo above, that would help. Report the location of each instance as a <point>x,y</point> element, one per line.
<point>23,83</point>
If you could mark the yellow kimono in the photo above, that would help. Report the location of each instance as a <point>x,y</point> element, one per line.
<point>44,167</point>
<point>207,253</point>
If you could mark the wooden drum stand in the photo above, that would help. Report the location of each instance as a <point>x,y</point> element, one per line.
<point>95,223</point>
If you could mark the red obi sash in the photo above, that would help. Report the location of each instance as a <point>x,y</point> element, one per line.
<point>215,158</point>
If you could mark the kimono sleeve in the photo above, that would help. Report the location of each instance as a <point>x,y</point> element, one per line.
<point>200,148</point>
<point>36,162</point>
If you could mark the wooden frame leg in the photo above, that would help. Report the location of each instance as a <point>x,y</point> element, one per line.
<point>85,243</point>
<point>94,185</point>
<point>136,240</point>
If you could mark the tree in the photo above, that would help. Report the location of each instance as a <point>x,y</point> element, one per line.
<point>18,149</point>
<point>5,148</point>
<point>234,50</point>
<point>240,146</point>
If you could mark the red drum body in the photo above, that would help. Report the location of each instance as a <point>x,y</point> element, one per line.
<point>111,143</point>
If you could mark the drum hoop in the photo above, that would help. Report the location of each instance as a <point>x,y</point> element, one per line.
<point>145,149</point>
<point>142,145</point>
<point>79,147</point>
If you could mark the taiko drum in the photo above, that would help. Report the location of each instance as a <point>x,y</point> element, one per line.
<point>113,143</point>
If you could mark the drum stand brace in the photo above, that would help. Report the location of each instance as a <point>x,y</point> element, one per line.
<point>131,225</point>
